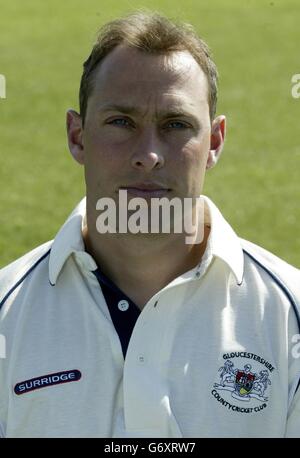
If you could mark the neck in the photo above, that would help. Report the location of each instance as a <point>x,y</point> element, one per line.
<point>142,265</point>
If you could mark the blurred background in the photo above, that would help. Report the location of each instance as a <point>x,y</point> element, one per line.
<point>256,47</point>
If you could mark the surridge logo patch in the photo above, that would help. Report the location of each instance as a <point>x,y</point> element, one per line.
<point>241,381</point>
<point>47,380</point>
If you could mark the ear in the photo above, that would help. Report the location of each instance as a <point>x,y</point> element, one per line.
<point>75,134</point>
<point>218,132</point>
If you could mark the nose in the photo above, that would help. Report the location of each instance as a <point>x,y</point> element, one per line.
<point>148,154</point>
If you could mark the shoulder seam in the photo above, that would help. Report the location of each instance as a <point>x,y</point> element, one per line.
<point>284,288</point>
<point>23,278</point>
<point>279,283</point>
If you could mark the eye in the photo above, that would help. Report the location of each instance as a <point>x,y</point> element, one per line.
<point>177,125</point>
<point>120,122</point>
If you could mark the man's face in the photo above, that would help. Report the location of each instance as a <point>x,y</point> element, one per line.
<point>147,127</point>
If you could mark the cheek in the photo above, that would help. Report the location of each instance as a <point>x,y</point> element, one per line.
<point>195,153</point>
<point>101,153</point>
<point>192,166</point>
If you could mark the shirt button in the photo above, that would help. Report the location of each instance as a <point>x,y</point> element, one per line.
<point>123,306</point>
<point>141,359</point>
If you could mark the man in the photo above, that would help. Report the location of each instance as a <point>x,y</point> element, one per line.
<point>120,334</point>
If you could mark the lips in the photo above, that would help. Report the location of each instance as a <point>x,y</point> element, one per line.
<point>146,190</point>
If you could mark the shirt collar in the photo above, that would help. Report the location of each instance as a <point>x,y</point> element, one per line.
<point>69,240</point>
<point>223,242</point>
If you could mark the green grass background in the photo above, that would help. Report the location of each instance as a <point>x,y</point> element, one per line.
<point>256,46</point>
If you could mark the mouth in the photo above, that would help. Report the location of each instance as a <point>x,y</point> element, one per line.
<point>146,190</point>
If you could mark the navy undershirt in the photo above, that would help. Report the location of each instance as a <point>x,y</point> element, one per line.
<point>123,320</point>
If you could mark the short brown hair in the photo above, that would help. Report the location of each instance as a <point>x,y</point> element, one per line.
<point>153,33</point>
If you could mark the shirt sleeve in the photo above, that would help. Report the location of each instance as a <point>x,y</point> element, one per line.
<point>293,415</point>
<point>293,421</point>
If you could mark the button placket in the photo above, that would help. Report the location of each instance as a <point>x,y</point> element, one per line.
<point>143,371</point>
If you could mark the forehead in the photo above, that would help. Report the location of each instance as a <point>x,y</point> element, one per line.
<point>133,75</point>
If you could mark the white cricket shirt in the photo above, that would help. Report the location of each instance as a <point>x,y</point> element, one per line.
<point>213,354</point>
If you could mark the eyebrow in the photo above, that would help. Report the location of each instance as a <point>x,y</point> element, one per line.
<point>128,109</point>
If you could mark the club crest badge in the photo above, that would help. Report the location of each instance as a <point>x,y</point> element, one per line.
<point>247,383</point>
